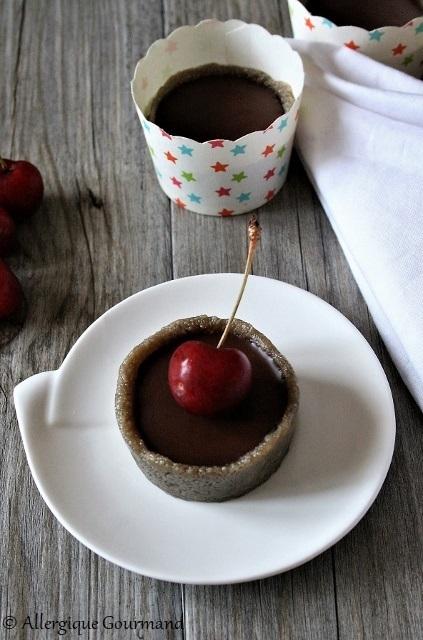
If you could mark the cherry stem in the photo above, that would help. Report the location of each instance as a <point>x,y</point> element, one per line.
<point>254,233</point>
<point>3,165</point>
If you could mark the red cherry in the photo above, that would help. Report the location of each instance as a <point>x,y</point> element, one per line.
<point>11,296</point>
<point>7,233</point>
<point>206,380</point>
<point>21,188</point>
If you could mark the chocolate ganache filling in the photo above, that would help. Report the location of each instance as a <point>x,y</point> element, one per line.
<point>219,102</point>
<point>169,430</point>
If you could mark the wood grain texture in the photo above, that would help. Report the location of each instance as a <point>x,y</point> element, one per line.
<point>105,231</point>
<point>68,108</point>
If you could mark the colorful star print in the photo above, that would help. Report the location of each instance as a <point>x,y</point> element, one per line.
<point>189,177</point>
<point>244,197</point>
<point>238,149</point>
<point>282,169</point>
<point>238,177</point>
<point>268,150</point>
<point>146,125</point>
<point>223,191</point>
<point>216,143</point>
<point>151,151</point>
<point>218,166</point>
<point>171,46</point>
<point>407,60</point>
<point>194,198</point>
<point>419,29</point>
<point>399,49</point>
<point>176,182</point>
<point>269,174</point>
<point>281,151</point>
<point>225,213</point>
<point>309,24</point>
<point>376,35</point>
<point>171,157</point>
<point>165,134</point>
<point>270,194</point>
<point>180,203</point>
<point>352,45</point>
<point>327,23</point>
<point>186,151</point>
<point>283,123</point>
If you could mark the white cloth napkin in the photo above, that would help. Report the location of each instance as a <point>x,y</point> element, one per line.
<point>360,136</point>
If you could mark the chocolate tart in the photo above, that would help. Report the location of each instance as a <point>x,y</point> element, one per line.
<point>227,474</point>
<point>215,101</point>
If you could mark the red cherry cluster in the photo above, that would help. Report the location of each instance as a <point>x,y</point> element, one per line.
<point>21,193</point>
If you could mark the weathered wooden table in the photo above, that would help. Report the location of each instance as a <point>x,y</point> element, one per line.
<point>106,231</point>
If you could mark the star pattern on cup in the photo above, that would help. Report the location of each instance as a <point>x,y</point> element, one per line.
<point>239,177</point>
<point>169,155</point>
<point>308,23</point>
<point>407,60</point>
<point>352,45</point>
<point>376,34</point>
<point>268,150</point>
<point>186,151</point>
<point>188,176</point>
<point>241,190</point>
<point>399,49</point>
<point>238,149</point>
<point>327,23</point>
<point>171,46</point>
<point>269,174</point>
<point>283,123</point>
<point>216,144</point>
<point>218,167</point>
<point>223,191</point>
<point>176,182</point>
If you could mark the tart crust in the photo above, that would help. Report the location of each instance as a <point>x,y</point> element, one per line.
<point>205,483</point>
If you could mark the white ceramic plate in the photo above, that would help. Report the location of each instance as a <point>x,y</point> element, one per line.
<point>336,465</point>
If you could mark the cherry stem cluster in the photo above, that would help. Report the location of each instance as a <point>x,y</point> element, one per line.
<point>254,234</point>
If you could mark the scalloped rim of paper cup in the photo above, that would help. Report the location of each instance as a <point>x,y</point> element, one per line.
<point>296,79</point>
<point>368,45</point>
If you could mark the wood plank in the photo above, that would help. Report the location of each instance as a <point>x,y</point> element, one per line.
<point>102,234</point>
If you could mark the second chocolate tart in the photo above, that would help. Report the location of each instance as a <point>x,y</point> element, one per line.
<point>219,102</point>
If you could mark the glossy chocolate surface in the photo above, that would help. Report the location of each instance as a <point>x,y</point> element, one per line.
<point>223,106</point>
<point>369,15</point>
<point>168,429</point>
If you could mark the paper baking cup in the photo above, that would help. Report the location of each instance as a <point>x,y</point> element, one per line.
<point>219,177</point>
<point>398,47</point>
